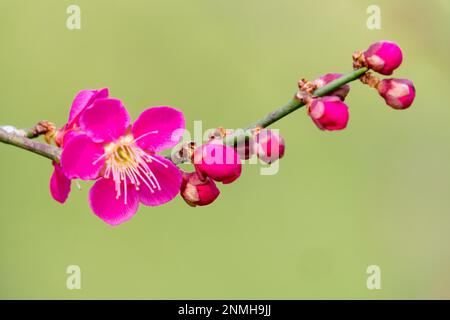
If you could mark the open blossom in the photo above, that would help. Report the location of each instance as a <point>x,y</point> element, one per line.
<point>398,93</point>
<point>217,161</point>
<point>83,100</point>
<point>328,113</point>
<point>60,185</point>
<point>123,157</point>
<point>197,190</point>
<point>383,57</point>
<point>322,81</point>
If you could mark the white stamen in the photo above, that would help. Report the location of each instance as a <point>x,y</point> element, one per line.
<point>145,134</point>
<point>127,163</point>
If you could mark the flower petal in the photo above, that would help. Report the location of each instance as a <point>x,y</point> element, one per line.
<point>82,158</point>
<point>83,99</point>
<point>69,135</point>
<point>59,184</point>
<point>169,178</point>
<point>106,120</point>
<point>166,122</point>
<point>112,210</point>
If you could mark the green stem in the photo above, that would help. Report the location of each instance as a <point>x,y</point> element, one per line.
<point>295,104</point>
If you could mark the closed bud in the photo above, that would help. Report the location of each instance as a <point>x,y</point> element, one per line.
<point>383,57</point>
<point>329,77</point>
<point>197,190</point>
<point>398,93</point>
<point>269,145</point>
<point>217,161</point>
<point>328,113</point>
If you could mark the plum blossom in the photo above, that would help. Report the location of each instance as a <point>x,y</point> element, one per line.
<point>123,157</point>
<point>60,185</point>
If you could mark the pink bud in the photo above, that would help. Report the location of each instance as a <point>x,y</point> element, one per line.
<point>383,57</point>
<point>269,146</point>
<point>217,161</point>
<point>398,93</point>
<point>196,191</point>
<point>246,148</point>
<point>327,78</point>
<point>328,113</point>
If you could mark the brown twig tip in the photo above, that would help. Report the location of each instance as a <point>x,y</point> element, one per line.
<point>44,127</point>
<point>370,79</point>
<point>359,61</point>
<point>184,153</point>
<point>218,133</point>
<point>305,90</point>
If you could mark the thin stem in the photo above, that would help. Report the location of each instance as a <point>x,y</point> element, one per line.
<point>21,138</point>
<point>295,104</point>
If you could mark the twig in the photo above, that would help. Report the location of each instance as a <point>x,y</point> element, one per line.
<point>18,138</point>
<point>21,137</point>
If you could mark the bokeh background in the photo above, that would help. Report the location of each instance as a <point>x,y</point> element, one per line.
<point>376,193</point>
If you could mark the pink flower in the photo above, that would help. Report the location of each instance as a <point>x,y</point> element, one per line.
<point>59,183</point>
<point>197,191</point>
<point>328,113</point>
<point>383,57</point>
<point>329,77</point>
<point>398,93</point>
<point>82,101</point>
<point>124,157</point>
<point>269,145</point>
<point>217,161</point>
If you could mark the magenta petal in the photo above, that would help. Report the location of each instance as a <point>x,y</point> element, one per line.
<point>169,179</point>
<point>69,135</point>
<point>59,184</point>
<point>82,158</point>
<point>106,120</point>
<point>159,128</point>
<point>103,201</point>
<point>83,99</point>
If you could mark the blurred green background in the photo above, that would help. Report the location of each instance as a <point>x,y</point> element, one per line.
<point>376,193</point>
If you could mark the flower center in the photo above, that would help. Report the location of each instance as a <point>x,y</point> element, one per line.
<point>127,164</point>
